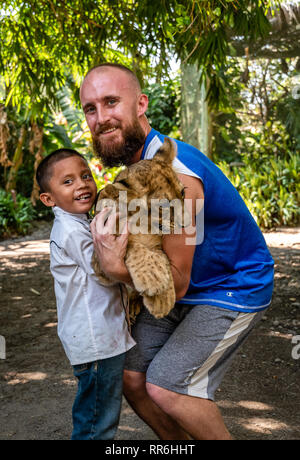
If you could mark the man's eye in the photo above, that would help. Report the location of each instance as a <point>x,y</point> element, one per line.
<point>90,110</point>
<point>112,102</point>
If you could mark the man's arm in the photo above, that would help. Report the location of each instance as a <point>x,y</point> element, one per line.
<point>175,246</point>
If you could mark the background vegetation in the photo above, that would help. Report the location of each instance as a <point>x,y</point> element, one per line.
<point>244,53</point>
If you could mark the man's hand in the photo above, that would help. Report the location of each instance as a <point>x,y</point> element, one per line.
<point>110,249</point>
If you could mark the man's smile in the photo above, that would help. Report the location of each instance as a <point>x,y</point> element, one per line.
<point>108,131</point>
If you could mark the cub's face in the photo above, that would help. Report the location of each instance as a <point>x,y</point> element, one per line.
<point>155,178</point>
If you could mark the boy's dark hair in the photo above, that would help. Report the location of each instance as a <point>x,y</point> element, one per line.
<point>44,170</point>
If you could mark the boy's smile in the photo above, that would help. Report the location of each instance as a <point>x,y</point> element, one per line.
<point>72,186</point>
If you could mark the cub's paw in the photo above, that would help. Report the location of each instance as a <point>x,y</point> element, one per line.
<point>160,305</point>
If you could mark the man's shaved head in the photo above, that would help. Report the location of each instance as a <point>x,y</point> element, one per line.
<point>108,65</point>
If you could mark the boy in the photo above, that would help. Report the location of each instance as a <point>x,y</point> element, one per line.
<point>91,318</point>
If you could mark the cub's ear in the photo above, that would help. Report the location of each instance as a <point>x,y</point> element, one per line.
<point>122,175</point>
<point>107,197</point>
<point>122,178</point>
<point>167,152</point>
<point>109,191</point>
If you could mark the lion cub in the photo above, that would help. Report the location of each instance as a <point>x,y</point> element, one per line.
<point>149,186</point>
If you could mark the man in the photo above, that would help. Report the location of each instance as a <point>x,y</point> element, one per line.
<point>222,283</point>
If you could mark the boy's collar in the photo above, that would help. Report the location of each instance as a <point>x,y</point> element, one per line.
<point>58,211</point>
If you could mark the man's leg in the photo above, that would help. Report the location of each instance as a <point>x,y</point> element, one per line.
<point>161,423</point>
<point>172,415</point>
<point>184,373</point>
<point>198,417</point>
<point>150,335</point>
<point>212,336</point>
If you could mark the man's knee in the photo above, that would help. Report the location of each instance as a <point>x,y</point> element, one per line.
<point>165,399</point>
<point>134,383</point>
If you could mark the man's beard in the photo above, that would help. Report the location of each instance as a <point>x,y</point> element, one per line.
<point>120,152</point>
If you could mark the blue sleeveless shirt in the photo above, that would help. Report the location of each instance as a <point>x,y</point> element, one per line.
<point>232,267</point>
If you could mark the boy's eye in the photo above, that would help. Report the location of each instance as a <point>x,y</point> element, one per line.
<point>87,176</point>
<point>68,181</point>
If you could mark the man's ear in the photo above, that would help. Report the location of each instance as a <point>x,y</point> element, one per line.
<point>47,199</point>
<point>142,104</point>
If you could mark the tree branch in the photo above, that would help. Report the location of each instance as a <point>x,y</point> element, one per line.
<point>282,42</point>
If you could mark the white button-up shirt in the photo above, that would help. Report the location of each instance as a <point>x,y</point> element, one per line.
<point>91,318</point>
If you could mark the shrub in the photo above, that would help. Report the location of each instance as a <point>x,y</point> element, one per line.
<point>270,188</point>
<point>163,110</point>
<point>16,214</point>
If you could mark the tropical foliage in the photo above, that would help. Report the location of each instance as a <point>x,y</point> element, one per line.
<point>77,34</point>
<point>16,213</point>
<point>269,187</point>
<point>47,47</point>
<point>164,106</point>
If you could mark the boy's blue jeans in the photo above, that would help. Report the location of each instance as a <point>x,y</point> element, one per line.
<point>97,406</point>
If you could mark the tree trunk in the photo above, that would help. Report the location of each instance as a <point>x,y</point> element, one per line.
<point>195,117</point>
<point>16,162</point>
<point>36,143</point>
<point>4,135</point>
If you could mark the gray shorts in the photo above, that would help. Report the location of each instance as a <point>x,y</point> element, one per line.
<point>189,350</point>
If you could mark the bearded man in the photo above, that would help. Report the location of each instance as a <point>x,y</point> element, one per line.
<point>115,120</point>
<point>222,284</point>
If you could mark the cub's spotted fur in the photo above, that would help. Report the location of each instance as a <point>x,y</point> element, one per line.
<point>148,265</point>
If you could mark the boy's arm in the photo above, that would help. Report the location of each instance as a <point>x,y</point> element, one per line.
<point>79,247</point>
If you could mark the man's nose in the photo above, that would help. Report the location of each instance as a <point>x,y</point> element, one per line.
<point>102,116</point>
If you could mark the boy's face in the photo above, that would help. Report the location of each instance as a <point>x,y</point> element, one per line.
<point>72,186</point>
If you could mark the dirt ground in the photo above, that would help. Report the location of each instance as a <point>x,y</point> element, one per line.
<point>259,398</point>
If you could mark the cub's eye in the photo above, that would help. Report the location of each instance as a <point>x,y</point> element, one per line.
<point>123,182</point>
